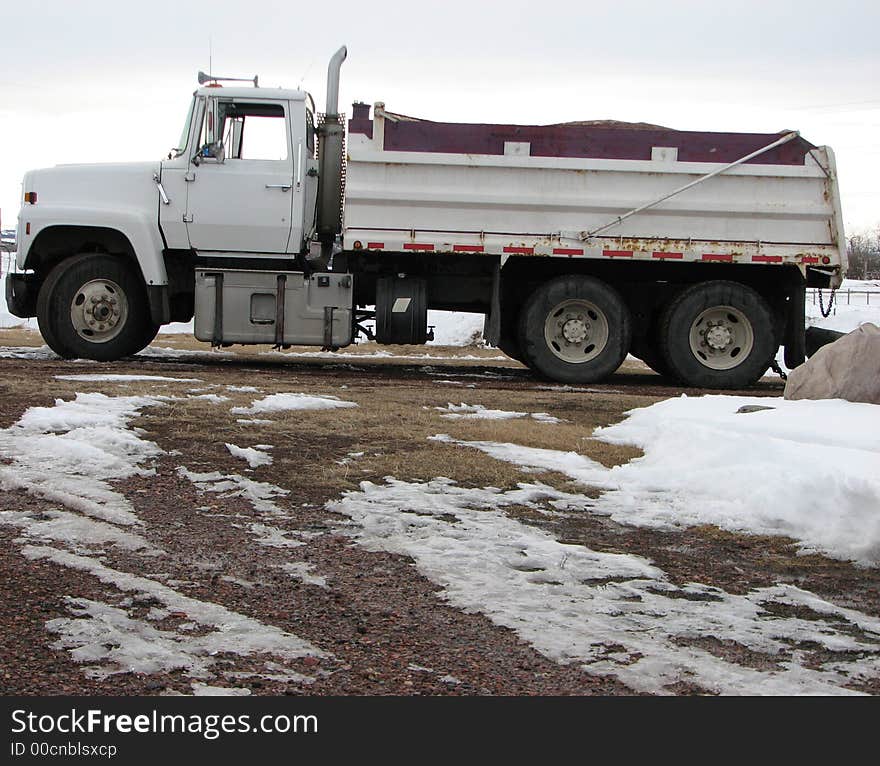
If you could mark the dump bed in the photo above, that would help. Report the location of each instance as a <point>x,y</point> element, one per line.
<point>570,190</point>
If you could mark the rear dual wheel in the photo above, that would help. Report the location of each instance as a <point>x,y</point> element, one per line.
<point>94,306</point>
<point>574,329</point>
<point>717,334</point>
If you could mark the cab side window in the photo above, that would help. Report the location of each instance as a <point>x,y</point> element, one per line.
<point>254,131</point>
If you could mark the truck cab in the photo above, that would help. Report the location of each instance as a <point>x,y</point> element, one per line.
<point>243,179</point>
<point>219,229</point>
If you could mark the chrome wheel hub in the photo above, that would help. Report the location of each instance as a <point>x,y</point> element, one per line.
<point>718,336</point>
<point>576,331</point>
<point>721,337</point>
<point>99,310</point>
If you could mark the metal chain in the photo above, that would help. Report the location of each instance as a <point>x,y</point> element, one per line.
<point>774,365</point>
<point>830,302</point>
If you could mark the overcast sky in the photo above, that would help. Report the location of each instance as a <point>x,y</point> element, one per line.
<point>102,80</point>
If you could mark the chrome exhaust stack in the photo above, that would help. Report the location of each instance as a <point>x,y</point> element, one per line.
<point>332,105</point>
<point>331,145</point>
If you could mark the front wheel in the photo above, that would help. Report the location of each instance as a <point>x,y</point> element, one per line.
<point>718,334</point>
<point>575,329</point>
<point>94,307</point>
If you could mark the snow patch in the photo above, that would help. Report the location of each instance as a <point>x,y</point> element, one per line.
<point>215,398</point>
<point>803,469</point>
<point>111,641</point>
<point>287,401</point>
<point>479,412</point>
<point>476,412</point>
<point>261,495</point>
<point>302,571</point>
<point>68,453</point>
<point>104,377</point>
<point>613,614</point>
<point>254,457</point>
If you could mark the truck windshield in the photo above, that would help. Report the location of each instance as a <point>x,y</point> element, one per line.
<point>180,148</point>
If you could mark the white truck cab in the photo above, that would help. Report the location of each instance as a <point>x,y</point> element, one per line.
<point>235,197</point>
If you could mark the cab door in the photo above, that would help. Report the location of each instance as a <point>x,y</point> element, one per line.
<point>240,183</point>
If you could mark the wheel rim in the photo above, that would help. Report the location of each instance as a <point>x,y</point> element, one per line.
<point>99,310</point>
<point>721,337</point>
<point>576,331</point>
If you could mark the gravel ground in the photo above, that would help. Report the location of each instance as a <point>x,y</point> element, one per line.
<point>379,625</point>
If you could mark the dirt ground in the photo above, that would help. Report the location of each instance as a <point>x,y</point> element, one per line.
<point>384,627</point>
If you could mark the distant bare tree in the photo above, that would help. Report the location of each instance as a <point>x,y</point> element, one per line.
<point>864,255</point>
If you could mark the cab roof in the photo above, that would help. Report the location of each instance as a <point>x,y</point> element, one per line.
<point>274,94</point>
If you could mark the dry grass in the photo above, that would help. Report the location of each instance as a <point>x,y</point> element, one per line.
<point>392,425</point>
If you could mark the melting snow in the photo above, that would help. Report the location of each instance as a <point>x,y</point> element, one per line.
<point>614,614</point>
<point>479,412</point>
<point>102,377</point>
<point>259,494</point>
<point>803,469</point>
<point>69,452</point>
<point>215,398</point>
<point>476,412</point>
<point>116,642</point>
<point>27,352</point>
<point>283,402</point>
<point>254,457</point>
<point>302,571</point>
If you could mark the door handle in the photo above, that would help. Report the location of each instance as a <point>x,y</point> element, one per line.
<point>162,194</point>
<point>283,187</point>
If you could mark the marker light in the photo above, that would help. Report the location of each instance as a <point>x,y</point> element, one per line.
<point>30,198</point>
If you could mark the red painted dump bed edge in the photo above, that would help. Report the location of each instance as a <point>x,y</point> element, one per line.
<point>621,141</point>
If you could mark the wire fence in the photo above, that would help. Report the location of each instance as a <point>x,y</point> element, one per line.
<point>846,297</point>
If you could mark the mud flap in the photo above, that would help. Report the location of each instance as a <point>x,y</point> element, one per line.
<point>21,295</point>
<point>795,338</point>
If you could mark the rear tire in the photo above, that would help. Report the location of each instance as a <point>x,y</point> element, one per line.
<point>574,329</point>
<point>94,306</point>
<point>718,334</point>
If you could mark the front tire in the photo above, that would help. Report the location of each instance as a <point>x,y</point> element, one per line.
<point>94,306</point>
<point>718,334</point>
<point>575,329</point>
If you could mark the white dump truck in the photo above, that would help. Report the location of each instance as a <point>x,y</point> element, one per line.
<point>579,242</point>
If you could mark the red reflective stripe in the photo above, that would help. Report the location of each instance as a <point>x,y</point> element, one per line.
<point>520,250</point>
<point>717,257</point>
<point>767,258</point>
<point>618,253</point>
<point>567,251</point>
<point>810,258</point>
<point>375,245</point>
<point>658,254</point>
<point>467,248</point>
<point>416,246</point>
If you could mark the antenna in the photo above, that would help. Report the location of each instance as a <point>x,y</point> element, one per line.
<point>203,78</point>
